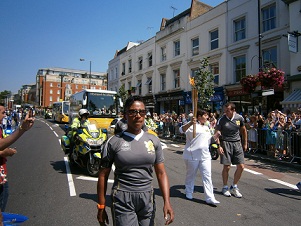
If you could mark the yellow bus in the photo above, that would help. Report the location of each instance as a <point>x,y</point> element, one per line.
<point>101,104</point>
<point>60,111</point>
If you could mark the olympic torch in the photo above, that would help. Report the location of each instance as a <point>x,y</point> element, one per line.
<point>194,97</point>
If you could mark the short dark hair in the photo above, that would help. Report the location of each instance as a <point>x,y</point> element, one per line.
<point>129,101</point>
<point>201,113</point>
<point>231,104</point>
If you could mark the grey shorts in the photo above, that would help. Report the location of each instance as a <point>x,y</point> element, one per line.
<point>133,208</point>
<point>233,153</point>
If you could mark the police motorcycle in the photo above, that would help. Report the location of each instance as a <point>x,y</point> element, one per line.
<point>85,149</point>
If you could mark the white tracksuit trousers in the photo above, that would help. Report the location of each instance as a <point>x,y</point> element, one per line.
<point>204,166</point>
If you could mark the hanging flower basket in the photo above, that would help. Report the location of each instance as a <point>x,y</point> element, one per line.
<point>271,77</point>
<point>249,83</point>
<point>266,79</point>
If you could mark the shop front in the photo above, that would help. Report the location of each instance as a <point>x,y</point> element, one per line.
<point>217,100</point>
<point>170,102</point>
<point>150,103</point>
<point>261,101</point>
<point>241,99</point>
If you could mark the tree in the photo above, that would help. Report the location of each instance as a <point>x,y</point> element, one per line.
<point>122,93</point>
<point>3,95</point>
<point>204,83</point>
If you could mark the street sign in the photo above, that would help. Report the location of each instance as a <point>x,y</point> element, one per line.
<point>268,92</point>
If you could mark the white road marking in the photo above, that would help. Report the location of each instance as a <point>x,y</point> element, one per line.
<point>252,171</point>
<point>284,183</point>
<point>175,145</point>
<point>163,145</point>
<point>69,177</point>
<point>51,128</point>
<point>55,134</point>
<point>92,179</point>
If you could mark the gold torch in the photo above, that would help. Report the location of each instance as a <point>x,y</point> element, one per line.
<point>194,97</point>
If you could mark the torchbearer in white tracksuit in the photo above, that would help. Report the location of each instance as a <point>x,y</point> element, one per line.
<point>197,156</point>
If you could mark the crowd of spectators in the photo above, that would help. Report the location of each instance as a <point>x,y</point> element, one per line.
<point>270,133</point>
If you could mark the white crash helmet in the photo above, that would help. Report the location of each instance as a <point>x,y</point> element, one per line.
<point>83,112</point>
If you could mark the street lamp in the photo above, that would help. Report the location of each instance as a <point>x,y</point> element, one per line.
<point>62,76</point>
<point>82,59</point>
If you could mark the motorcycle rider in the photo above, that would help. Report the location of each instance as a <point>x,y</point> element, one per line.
<point>80,121</point>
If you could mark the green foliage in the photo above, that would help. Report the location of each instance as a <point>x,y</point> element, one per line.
<point>204,83</point>
<point>122,93</point>
<point>3,95</point>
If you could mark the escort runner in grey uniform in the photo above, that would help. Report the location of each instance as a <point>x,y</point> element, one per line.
<point>135,154</point>
<point>231,126</point>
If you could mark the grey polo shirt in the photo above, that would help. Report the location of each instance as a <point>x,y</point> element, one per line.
<point>133,159</point>
<point>230,128</point>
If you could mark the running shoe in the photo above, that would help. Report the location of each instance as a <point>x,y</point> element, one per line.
<point>299,186</point>
<point>212,202</point>
<point>235,192</point>
<point>189,196</point>
<point>226,192</point>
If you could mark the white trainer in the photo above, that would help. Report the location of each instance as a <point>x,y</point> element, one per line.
<point>226,192</point>
<point>235,192</point>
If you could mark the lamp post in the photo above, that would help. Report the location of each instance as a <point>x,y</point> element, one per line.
<point>62,76</point>
<point>82,59</point>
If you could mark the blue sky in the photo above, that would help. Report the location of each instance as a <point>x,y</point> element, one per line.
<point>57,33</point>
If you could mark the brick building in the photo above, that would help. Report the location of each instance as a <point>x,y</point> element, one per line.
<point>55,84</point>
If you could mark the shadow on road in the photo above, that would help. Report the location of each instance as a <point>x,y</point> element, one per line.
<point>285,192</point>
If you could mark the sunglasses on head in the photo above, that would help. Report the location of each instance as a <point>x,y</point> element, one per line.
<point>135,112</point>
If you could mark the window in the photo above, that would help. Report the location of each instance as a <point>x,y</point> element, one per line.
<point>176,48</point>
<point>268,15</point>
<point>215,71</point>
<point>269,57</point>
<point>176,74</point>
<point>239,67</point>
<point>51,85</point>
<point>195,46</point>
<point>240,29</point>
<point>163,53</point>
<point>130,66</point>
<point>150,59</point>
<point>58,92</point>
<point>50,91</point>
<point>138,87</point>
<point>163,82</point>
<point>123,69</point>
<point>214,39</point>
<point>193,72</point>
<point>57,99</point>
<point>50,98</point>
<point>129,85</point>
<point>149,84</point>
<point>116,74</point>
<point>140,62</point>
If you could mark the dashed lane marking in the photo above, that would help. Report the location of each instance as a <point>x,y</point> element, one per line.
<point>284,183</point>
<point>69,178</point>
<point>252,171</point>
<point>175,145</point>
<point>55,134</point>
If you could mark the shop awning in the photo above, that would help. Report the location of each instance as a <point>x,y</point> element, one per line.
<point>149,80</point>
<point>293,100</point>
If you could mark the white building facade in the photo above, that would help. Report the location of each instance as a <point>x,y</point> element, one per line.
<point>229,35</point>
